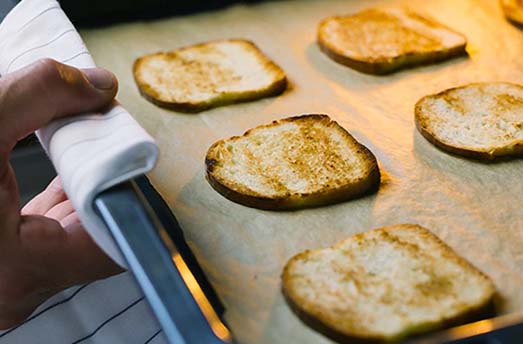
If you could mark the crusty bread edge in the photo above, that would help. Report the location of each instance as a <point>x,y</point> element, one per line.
<point>514,19</point>
<point>483,310</point>
<point>274,89</point>
<point>368,184</point>
<point>388,66</point>
<point>513,150</point>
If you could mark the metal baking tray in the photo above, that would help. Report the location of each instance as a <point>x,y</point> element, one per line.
<point>153,245</point>
<point>182,299</point>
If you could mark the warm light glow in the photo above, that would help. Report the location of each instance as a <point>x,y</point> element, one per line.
<point>216,324</point>
<point>219,329</point>
<point>473,329</point>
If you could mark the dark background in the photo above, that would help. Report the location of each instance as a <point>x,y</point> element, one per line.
<point>100,12</point>
<point>5,6</point>
<point>103,12</point>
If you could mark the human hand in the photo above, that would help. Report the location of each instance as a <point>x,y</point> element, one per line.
<point>44,248</point>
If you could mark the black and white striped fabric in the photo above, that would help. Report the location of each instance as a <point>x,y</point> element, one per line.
<point>91,152</point>
<point>107,311</point>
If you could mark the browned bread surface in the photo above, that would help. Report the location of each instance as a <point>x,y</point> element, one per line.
<point>381,41</point>
<point>383,285</point>
<point>297,162</point>
<point>201,76</point>
<point>480,121</point>
<point>513,10</point>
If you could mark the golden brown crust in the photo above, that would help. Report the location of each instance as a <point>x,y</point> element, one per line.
<point>513,11</point>
<point>277,87</point>
<point>239,194</point>
<point>318,325</point>
<point>319,321</point>
<point>467,152</point>
<point>384,66</point>
<point>388,67</point>
<point>486,310</point>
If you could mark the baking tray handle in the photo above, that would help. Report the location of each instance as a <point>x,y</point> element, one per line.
<point>181,307</point>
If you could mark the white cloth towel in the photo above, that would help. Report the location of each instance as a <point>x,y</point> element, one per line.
<point>90,152</point>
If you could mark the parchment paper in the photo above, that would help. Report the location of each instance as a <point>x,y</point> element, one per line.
<point>474,207</point>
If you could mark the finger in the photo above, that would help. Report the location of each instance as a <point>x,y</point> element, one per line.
<point>53,195</point>
<point>69,220</point>
<point>60,211</point>
<point>9,201</point>
<point>40,234</point>
<point>33,96</point>
<point>63,257</point>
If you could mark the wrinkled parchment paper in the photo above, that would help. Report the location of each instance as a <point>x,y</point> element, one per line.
<point>474,207</point>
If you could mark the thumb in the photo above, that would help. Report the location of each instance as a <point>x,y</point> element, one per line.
<point>45,90</point>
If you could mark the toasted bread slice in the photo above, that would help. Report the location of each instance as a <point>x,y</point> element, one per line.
<point>206,75</point>
<point>385,284</point>
<point>380,41</point>
<point>513,10</point>
<point>297,162</point>
<point>480,121</point>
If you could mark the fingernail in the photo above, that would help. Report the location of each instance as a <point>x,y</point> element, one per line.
<point>100,78</point>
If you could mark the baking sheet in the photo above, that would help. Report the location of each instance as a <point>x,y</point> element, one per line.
<point>474,207</point>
